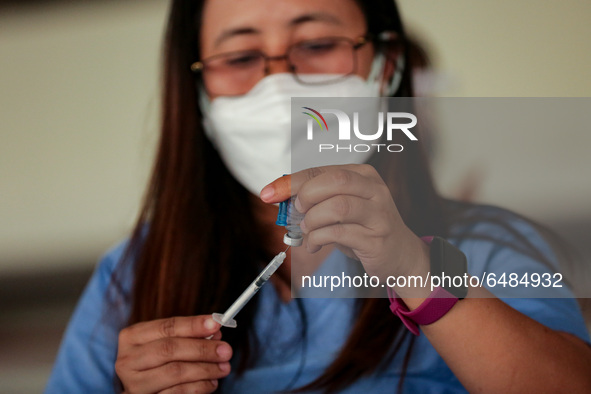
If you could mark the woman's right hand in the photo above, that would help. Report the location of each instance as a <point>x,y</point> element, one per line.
<point>172,355</point>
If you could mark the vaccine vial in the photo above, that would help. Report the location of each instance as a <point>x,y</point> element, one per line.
<point>290,218</point>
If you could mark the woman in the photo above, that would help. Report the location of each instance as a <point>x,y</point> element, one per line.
<point>203,234</point>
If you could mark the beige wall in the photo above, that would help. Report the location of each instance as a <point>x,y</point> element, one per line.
<point>499,48</point>
<point>78,104</point>
<point>502,48</point>
<point>78,111</point>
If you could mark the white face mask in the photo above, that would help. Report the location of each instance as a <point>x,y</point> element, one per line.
<point>252,132</point>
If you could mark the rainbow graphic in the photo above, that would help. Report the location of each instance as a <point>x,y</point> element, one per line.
<point>315,118</point>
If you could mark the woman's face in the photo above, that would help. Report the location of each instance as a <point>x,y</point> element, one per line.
<point>271,26</point>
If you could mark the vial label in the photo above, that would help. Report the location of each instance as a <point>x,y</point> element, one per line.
<point>290,218</point>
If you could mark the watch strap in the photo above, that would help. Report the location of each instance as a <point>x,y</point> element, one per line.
<point>432,309</point>
<point>443,256</point>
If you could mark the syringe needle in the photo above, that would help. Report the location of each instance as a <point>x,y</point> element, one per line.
<point>227,319</point>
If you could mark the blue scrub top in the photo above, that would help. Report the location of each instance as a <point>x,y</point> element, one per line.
<point>85,362</point>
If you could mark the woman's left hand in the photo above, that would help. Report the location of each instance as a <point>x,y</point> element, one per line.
<point>352,207</point>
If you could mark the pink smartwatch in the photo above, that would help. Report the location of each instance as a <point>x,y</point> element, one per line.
<point>444,258</point>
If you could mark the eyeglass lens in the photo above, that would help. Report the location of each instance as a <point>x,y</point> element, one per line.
<point>313,62</point>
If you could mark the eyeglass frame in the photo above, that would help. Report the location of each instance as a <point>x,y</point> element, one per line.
<point>357,43</point>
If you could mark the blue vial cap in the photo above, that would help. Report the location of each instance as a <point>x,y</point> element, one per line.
<point>282,214</point>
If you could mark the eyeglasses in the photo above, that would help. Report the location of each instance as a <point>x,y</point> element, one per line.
<point>313,62</point>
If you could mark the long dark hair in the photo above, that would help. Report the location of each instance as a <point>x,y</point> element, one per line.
<point>182,242</point>
<point>196,221</point>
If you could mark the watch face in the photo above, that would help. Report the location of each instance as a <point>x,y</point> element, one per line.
<point>449,263</point>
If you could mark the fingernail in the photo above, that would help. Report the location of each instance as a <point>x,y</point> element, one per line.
<point>303,225</point>
<point>267,192</point>
<point>298,204</point>
<point>214,382</point>
<point>223,351</point>
<point>224,367</point>
<point>209,324</point>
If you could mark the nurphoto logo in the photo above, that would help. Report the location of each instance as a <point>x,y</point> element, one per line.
<point>391,125</point>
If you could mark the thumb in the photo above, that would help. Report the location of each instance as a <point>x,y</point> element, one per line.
<point>278,190</point>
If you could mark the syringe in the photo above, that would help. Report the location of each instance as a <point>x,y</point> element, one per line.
<point>227,319</point>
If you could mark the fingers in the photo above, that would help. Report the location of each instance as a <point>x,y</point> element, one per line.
<point>338,182</point>
<point>283,188</point>
<point>277,191</point>
<point>352,236</point>
<point>186,326</point>
<point>347,204</point>
<point>174,374</point>
<point>204,386</point>
<point>157,355</point>
<point>165,350</point>
<point>340,209</point>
